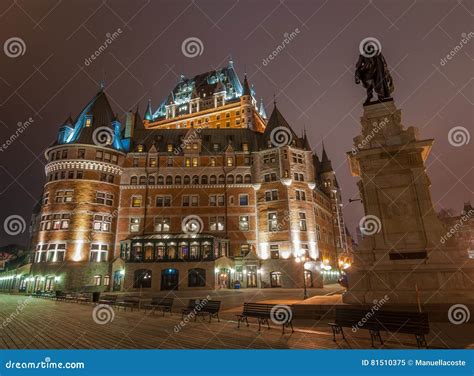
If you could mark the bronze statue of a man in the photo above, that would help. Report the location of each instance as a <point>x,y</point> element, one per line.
<point>372,71</point>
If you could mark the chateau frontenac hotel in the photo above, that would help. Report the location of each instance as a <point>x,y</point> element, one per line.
<point>205,192</point>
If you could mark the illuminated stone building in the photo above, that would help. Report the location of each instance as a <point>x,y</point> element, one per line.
<point>203,192</point>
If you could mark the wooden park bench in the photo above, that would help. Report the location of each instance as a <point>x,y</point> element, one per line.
<point>71,297</point>
<point>210,308</point>
<point>129,302</point>
<point>415,323</point>
<point>160,304</point>
<point>202,307</point>
<point>108,299</point>
<point>83,297</point>
<point>263,313</point>
<point>59,296</point>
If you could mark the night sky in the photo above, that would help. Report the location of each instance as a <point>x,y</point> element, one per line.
<point>312,78</point>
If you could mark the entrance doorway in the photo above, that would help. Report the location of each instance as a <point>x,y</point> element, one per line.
<point>275,279</point>
<point>169,279</point>
<point>223,279</point>
<point>252,276</point>
<point>308,278</point>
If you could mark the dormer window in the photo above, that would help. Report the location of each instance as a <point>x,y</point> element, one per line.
<point>140,148</point>
<point>88,122</point>
<point>170,148</point>
<point>245,147</point>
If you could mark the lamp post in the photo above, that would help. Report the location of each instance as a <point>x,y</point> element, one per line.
<point>303,260</point>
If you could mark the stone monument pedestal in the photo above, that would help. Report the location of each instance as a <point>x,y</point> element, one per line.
<point>401,255</point>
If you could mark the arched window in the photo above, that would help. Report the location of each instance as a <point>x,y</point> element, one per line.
<point>142,180</point>
<point>177,180</point>
<point>169,180</point>
<point>187,180</point>
<point>160,180</point>
<point>204,179</point>
<point>247,179</point>
<point>213,179</point>
<point>230,179</point>
<point>195,179</point>
<point>221,179</point>
<point>196,277</point>
<point>142,278</point>
<point>169,279</point>
<point>239,179</point>
<point>133,180</point>
<point>151,180</point>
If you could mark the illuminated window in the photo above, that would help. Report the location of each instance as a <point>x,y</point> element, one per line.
<point>302,221</point>
<point>216,223</point>
<point>170,148</point>
<point>272,221</point>
<point>274,251</point>
<point>195,161</point>
<point>162,224</point>
<point>152,162</point>
<point>245,147</point>
<point>140,148</point>
<point>187,162</point>
<point>230,161</point>
<point>102,223</point>
<point>212,161</point>
<point>134,224</point>
<point>244,223</point>
<point>107,280</point>
<point>97,280</point>
<point>88,122</point>
<point>136,201</point>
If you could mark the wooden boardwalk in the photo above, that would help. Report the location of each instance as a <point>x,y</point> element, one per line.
<point>32,323</point>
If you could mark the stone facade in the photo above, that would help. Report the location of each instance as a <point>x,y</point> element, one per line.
<point>401,254</point>
<point>203,193</point>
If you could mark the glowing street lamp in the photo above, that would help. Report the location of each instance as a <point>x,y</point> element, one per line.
<point>303,259</point>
